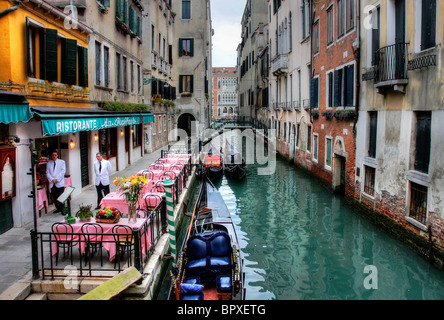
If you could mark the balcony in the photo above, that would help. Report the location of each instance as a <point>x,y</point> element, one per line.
<point>279,64</point>
<point>391,68</point>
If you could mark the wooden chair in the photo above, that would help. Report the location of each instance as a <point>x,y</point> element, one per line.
<point>124,240</point>
<point>93,233</point>
<point>64,237</point>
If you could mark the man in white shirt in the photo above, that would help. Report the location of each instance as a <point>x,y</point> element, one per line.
<point>102,170</point>
<point>55,173</point>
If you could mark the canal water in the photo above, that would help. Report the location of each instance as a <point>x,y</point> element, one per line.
<point>301,242</point>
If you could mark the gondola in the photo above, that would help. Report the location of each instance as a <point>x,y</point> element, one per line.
<point>212,164</point>
<point>233,162</point>
<point>209,266</point>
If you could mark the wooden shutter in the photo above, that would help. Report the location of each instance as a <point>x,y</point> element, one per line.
<point>69,61</point>
<point>83,66</point>
<point>180,84</point>
<point>51,58</point>
<point>338,86</point>
<point>423,136</point>
<point>372,134</point>
<point>191,47</point>
<point>28,33</point>
<point>428,28</point>
<point>350,85</point>
<point>180,47</point>
<point>314,92</point>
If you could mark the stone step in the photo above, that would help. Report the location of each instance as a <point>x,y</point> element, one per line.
<point>37,296</point>
<point>18,291</point>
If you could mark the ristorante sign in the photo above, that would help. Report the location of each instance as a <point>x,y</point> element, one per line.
<point>63,126</point>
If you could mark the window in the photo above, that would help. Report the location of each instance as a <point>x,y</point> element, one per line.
<point>108,142</point>
<point>328,152</point>
<point>373,115</point>
<point>186,9</point>
<point>314,93</point>
<point>330,89</point>
<point>185,83</point>
<point>316,37</point>
<point>98,47</point>
<point>340,17</point>
<point>428,24</point>
<point>153,38</point>
<point>376,35</point>
<point>106,66</point>
<point>330,25</point>
<point>423,136</point>
<point>350,14</point>
<point>315,147</point>
<point>186,47</point>
<point>345,86</point>
<point>132,76</point>
<point>418,202</point>
<point>124,74</point>
<point>276,5</point>
<point>369,181</point>
<point>139,79</point>
<point>137,135</point>
<point>305,8</point>
<point>118,72</point>
<point>308,138</point>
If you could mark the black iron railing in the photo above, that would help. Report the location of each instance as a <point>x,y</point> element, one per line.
<point>51,261</point>
<point>391,62</point>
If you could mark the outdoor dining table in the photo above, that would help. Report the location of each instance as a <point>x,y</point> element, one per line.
<point>118,201</point>
<point>108,238</point>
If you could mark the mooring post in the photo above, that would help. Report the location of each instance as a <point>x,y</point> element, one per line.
<point>168,184</point>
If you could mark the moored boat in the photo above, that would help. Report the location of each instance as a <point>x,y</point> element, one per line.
<point>213,164</point>
<point>209,266</point>
<point>233,163</point>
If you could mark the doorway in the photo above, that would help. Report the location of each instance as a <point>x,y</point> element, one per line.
<point>339,174</point>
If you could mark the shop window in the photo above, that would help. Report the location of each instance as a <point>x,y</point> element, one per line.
<point>7,173</point>
<point>137,135</point>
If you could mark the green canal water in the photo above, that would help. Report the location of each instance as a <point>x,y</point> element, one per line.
<point>301,242</point>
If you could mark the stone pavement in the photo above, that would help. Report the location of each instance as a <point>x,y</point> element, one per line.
<point>15,244</point>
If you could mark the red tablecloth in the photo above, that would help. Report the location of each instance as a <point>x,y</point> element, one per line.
<point>108,239</point>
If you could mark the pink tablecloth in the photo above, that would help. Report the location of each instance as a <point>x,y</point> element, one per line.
<point>42,199</point>
<point>108,239</point>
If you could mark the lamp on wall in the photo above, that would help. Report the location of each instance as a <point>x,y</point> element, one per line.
<point>96,137</point>
<point>121,133</point>
<point>72,144</point>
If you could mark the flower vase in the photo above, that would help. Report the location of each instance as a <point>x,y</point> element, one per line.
<point>132,214</point>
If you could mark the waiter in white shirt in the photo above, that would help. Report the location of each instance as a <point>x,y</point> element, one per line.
<point>102,170</point>
<point>55,173</point>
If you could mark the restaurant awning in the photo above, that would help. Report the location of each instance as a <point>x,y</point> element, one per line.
<point>56,120</point>
<point>14,108</point>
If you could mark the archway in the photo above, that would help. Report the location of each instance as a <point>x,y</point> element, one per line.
<point>185,122</point>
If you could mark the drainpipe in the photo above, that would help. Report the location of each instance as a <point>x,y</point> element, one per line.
<point>5,12</point>
<point>357,54</point>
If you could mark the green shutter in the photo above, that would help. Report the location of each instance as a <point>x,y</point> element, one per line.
<point>125,12</point>
<point>180,47</point>
<point>83,66</point>
<point>51,55</point>
<point>69,61</point>
<point>131,19</point>
<point>139,27</point>
<point>191,47</point>
<point>105,3</point>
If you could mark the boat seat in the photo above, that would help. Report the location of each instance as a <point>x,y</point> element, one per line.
<point>191,291</point>
<point>209,256</point>
<point>223,284</point>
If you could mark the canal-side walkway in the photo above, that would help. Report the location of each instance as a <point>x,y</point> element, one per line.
<point>15,244</point>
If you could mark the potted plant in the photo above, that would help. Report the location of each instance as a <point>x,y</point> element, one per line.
<point>84,214</point>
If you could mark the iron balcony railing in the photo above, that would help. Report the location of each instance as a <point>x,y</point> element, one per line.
<point>391,62</point>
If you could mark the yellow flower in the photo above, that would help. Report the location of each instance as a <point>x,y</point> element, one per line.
<point>116,181</point>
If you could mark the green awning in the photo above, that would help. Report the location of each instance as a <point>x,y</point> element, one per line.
<point>57,121</point>
<point>15,113</point>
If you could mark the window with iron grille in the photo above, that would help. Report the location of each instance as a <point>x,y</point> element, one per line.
<point>418,202</point>
<point>369,181</point>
